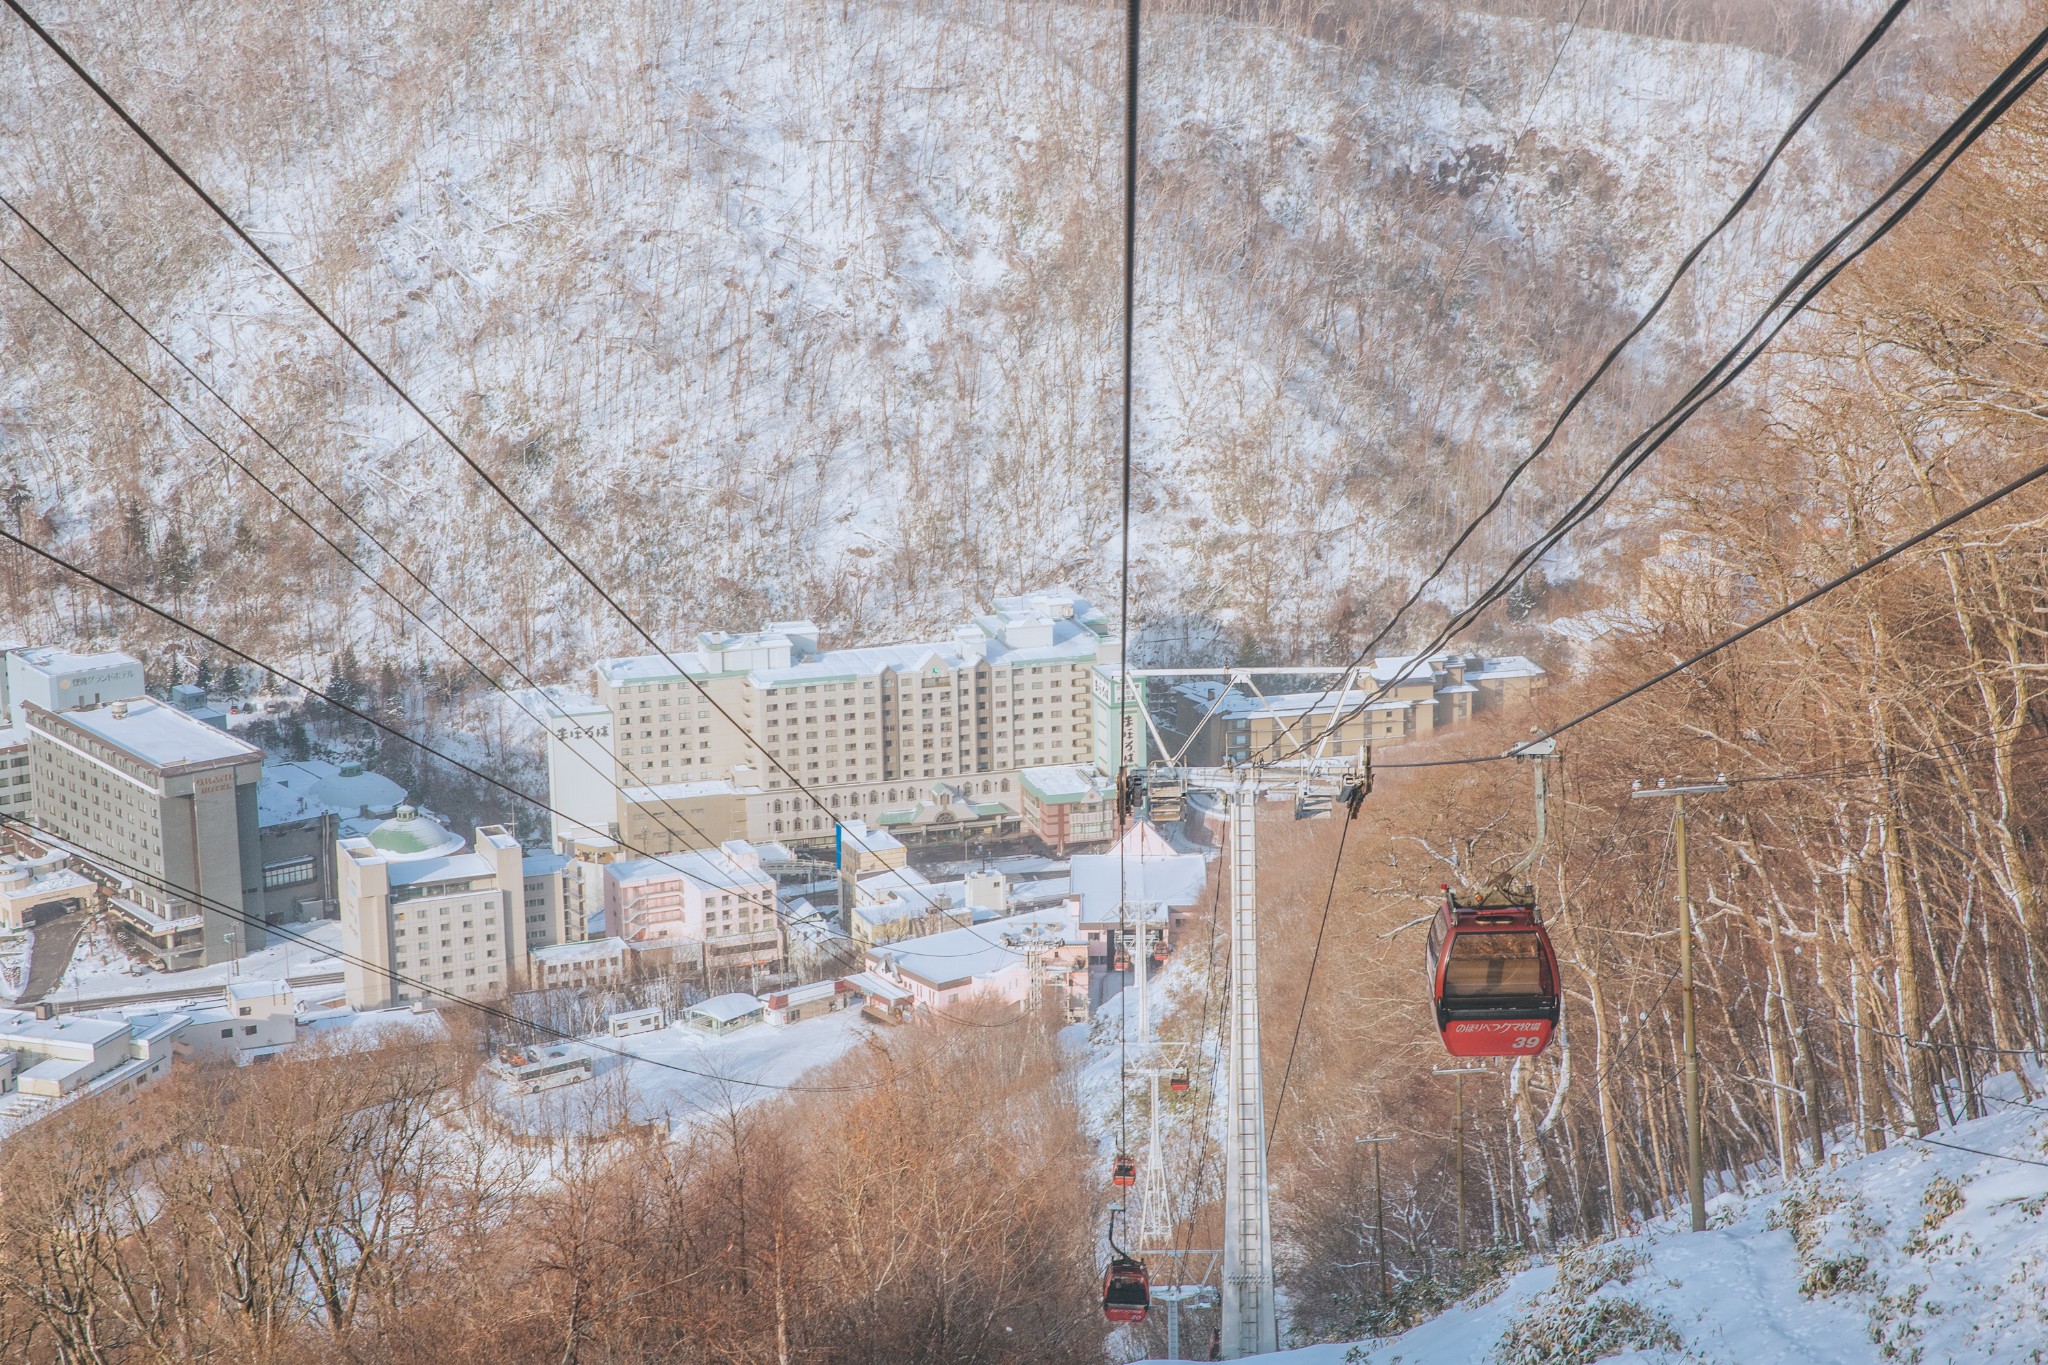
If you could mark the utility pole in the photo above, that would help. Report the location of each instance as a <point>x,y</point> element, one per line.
<point>1250,1326</point>
<point>1458,1135</point>
<point>1695,1174</point>
<point>1379,1212</point>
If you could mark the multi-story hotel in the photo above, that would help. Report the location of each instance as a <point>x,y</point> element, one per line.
<point>168,803</point>
<point>426,915</point>
<point>903,736</point>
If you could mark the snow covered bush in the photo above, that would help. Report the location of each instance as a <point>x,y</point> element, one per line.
<point>1572,1323</point>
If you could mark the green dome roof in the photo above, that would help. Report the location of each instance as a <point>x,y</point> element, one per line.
<point>411,833</point>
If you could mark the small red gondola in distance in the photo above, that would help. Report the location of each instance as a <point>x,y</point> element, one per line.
<point>1493,976</point>
<point>1123,1170</point>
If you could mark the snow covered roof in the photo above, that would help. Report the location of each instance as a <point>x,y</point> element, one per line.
<point>459,867</point>
<point>1052,626</point>
<point>257,989</point>
<point>12,737</point>
<point>877,987</point>
<point>160,735</point>
<point>543,864</point>
<point>52,661</point>
<point>680,791</point>
<point>722,869</point>
<point>21,1029</point>
<point>590,950</point>
<point>723,1009</point>
<point>1064,783</point>
<point>313,787</point>
<point>977,950</point>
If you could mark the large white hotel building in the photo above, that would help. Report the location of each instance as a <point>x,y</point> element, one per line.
<point>906,736</point>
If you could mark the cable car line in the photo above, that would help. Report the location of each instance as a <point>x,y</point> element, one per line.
<point>1307,985</point>
<point>1684,267</point>
<point>1956,138</point>
<point>174,619</point>
<point>390,382</point>
<point>240,464</point>
<point>1123,1170</point>
<point>481,1006</point>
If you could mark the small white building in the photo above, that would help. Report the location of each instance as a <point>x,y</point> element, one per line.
<point>595,963</point>
<point>626,1023</point>
<point>725,1013</point>
<point>256,1018</point>
<point>806,1001</point>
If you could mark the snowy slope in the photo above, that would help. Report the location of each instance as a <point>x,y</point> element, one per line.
<point>1919,1253</point>
<point>781,307</point>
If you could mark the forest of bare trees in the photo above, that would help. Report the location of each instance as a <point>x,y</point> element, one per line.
<point>929,1200</point>
<point>1869,892</point>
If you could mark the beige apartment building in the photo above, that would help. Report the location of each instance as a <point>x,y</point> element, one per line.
<point>906,737</point>
<point>425,915</point>
<point>1408,699</point>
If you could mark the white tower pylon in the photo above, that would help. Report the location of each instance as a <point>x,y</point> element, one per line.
<point>1152,1227</point>
<point>1249,1322</point>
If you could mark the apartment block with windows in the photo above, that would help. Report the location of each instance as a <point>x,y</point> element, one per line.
<point>710,743</point>
<point>425,916</point>
<point>713,908</point>
<point>166,803</point>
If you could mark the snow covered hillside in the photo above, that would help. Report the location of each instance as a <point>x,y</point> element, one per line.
<point>780,306</point>
<point>1931,1251</point>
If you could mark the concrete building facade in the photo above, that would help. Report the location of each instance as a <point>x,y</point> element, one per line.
<point>423,916</point>
<point>918,736</point>
<point>169,802</point>
<point>714,908</point>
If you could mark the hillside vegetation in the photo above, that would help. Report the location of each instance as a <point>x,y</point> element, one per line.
<point>794,306</point>
<point>1870,891</point>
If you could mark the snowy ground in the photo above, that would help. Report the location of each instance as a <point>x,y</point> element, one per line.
<point>686,1075</point>
<point>1922,1252</point>
<point>101,967</point>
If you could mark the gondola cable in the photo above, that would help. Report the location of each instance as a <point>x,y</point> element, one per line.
<point>1940,155</point>
<point>1684,267</point>
<point>243,235</point>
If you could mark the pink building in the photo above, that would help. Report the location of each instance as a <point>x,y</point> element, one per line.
<point>714,906</point>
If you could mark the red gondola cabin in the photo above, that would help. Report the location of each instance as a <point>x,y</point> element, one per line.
<point>1123,1170</point>
<point>1126,1290</point>
<point>1493,976</point>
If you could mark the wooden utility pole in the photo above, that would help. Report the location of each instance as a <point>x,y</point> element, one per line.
<point>1695,1174</point>
<point>1458,1135</point>
<point>1379,1212</point>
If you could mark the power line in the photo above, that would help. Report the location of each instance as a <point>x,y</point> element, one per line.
<point>173,619</point>
<point>293,511</point>
<point>1685,265</point>
<point>1308,984</point>
<point>484,1007</point>
<point>243,235</point>
<point>1955,139</point>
